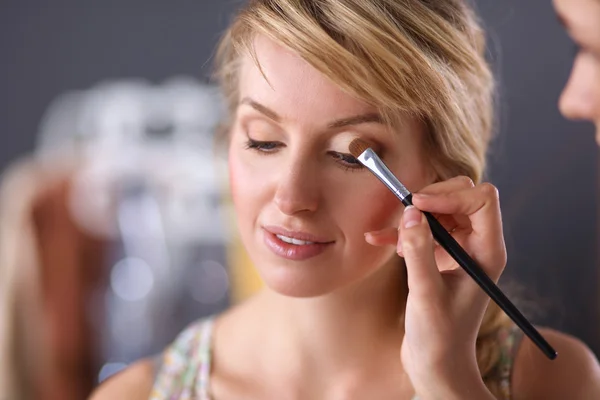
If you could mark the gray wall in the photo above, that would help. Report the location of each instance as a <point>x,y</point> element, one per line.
<point>544,166</point>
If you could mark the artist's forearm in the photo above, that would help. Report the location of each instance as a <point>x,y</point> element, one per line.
<point>474,391</point>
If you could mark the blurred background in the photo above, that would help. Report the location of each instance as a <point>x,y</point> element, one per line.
<point>114,234</point>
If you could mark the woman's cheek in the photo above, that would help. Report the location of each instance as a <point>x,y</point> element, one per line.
<point>234,172</point>
<point>249,182</point>
<point>380,209</point>
<point>375,207</point>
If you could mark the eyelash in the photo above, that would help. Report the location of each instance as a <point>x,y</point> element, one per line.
<point>346,161</point>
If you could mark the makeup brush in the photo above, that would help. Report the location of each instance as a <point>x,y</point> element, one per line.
<point>361,151</point>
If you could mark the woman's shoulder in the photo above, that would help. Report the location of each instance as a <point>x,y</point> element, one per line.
<point>135,382</point>
<point>574,374</point>
<point>139,379</point>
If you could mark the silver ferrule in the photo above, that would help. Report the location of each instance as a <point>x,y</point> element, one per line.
<point>371,160</point>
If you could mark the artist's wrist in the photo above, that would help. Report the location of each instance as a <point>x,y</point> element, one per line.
<point>473,390</point>
<point>471,393</point>
<point>451,380</point>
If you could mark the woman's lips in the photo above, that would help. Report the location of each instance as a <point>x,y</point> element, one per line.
<point>296,246</point>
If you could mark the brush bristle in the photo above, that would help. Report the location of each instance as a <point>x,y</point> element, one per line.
<point>357,147</point>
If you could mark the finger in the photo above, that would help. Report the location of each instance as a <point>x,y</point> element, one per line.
<point>450,185</point>
<point>450,222</point>
<point>384,237</point>
<point>447,221</point>
<point>481,204</point>
<point>424,278</point>
<point>482,207</point>
<point>399,243</point>
<point>453,222</point>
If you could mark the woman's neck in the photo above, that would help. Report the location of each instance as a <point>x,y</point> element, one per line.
<point>347,342</point>
<point>344,331</point>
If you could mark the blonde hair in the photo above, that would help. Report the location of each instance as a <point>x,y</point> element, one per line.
<point>423,58</point>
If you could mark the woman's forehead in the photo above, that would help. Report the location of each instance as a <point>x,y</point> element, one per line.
<point>285,83</point>
<point>282,86</point>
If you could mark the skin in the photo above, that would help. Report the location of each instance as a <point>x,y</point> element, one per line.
<point>338,325</point>
<point>580,99</point>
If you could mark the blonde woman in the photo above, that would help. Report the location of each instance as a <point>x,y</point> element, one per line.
<point>358,303</point>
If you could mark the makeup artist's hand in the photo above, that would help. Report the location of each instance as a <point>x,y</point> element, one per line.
<point>445,306</point>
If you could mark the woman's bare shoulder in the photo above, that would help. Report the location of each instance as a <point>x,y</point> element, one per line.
<point>574,374</point>
<point>134,383</point>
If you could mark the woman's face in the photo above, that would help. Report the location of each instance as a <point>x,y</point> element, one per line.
<point>580,99</point>
<point>303,203</point>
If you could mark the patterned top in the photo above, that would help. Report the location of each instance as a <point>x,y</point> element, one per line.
<point>183,370</point>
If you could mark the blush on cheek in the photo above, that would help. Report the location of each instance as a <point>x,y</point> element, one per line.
<point>248,186</point>
<point>386,211</point>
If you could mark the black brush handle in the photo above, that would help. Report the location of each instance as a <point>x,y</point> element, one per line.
<point>446,240</point>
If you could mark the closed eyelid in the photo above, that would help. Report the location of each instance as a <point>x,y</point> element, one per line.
<point>260,128</point>
<point>376,146</point>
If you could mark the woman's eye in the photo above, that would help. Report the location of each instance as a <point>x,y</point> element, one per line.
<point>347,160</point>
<point>262,146</point>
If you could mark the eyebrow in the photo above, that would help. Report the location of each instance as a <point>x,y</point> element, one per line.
<point>357,120</point>
<point>261,109</point>
<point>340,123</point>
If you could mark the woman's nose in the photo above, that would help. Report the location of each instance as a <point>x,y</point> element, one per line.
<point>580,99</point>
<point>298,189</point>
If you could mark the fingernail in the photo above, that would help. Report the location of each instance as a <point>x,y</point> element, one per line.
<point>421,196</point>
<point>371,236</point>
<point>412,217</point>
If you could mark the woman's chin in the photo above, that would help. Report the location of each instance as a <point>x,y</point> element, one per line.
<point>293,281</point>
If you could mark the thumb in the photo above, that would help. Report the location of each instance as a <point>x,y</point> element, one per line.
<point>423,275</point>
